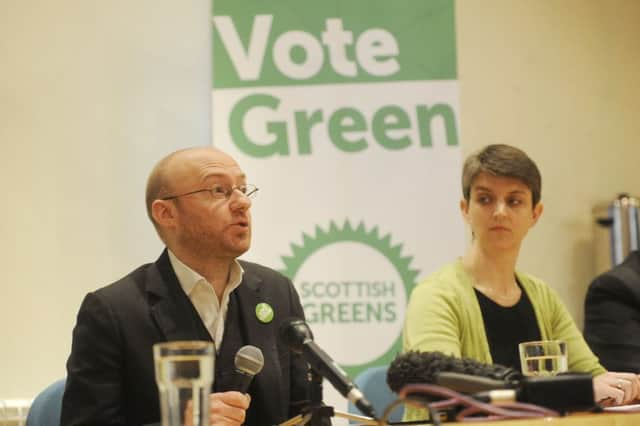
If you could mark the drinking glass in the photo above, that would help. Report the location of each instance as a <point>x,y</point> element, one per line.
<point>543,357</point>
<point>184,375</point>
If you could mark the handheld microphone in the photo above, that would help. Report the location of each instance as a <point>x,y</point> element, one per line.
<point>566,392</point>
<point>297,335</point>
<point>249,362</point>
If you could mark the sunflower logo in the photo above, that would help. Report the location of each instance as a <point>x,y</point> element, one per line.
<point>354,285</point>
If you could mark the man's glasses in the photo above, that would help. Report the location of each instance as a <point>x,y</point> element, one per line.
<point>221,192</point>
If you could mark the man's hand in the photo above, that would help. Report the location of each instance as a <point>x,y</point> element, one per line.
<point>228,408</point>
<point>616,388</point>
<point>225,409</point>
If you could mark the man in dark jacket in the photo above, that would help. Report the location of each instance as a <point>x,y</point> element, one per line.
<point>199,202</point>
<point>612,316</point>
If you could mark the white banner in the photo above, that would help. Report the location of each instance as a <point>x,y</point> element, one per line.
<point>348,124</point>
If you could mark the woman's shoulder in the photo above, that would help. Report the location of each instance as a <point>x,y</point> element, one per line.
<point>530,279</point>
<point>535,286</point>
<point>448,278</point>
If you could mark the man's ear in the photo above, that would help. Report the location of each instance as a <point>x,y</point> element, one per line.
<point>537,212</point>
<point>164,213</point>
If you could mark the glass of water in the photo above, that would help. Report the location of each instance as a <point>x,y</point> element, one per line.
<point>543,358</point>
<point>184,375</point>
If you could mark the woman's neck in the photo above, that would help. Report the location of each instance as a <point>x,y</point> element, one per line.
<point>493,273</point>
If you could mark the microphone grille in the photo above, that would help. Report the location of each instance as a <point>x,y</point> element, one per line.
<point>249,360</point>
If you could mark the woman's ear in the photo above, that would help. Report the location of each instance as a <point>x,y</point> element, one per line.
<point>537,212</point>
<point>464,209</point>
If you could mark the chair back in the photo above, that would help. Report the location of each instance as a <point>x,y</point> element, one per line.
<point>373,384</point>
<point>46,407</point>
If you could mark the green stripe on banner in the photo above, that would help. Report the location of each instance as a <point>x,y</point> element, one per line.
<point>302,42</point>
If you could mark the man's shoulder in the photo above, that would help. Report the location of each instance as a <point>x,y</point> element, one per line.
<point>253,268</point>
<point>134,281</point>
<point>627,272</point>
<point>267,280</point>
<point>623,279</point>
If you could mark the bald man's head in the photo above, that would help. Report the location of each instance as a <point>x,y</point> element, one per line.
<point>162,179</point>
<point>158,183</point>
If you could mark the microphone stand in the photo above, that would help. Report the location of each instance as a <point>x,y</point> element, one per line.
<point>301,420</point>
<point>318,414</point>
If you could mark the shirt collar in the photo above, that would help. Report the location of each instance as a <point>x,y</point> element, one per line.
<point>188,278</point>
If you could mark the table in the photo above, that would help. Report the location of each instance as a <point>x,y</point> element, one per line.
<point>575,419</point>
<point>580,419</point>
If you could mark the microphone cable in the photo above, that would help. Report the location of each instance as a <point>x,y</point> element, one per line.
<point>472,409</point>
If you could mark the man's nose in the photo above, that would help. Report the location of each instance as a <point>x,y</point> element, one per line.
<point>239,200</point>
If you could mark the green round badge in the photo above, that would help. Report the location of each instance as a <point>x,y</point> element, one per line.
<point>264,312</point>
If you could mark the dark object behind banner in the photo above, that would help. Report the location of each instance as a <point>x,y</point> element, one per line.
<point>621,218</point>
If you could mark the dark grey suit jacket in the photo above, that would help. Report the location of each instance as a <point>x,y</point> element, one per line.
<point>612,316</point>
<point>110,370</point>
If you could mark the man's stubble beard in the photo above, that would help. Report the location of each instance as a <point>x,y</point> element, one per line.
<point>204,244</point>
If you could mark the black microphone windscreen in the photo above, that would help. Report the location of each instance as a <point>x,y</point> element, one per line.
<point>424,367</point>
<point>466,383</point>
<point>298,337</point>
<point>565,392</point>
<point>295,333</point>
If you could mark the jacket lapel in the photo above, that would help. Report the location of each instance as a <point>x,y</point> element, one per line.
<point>250,293</point>
<point>171,309</point>
<point>249,296</point>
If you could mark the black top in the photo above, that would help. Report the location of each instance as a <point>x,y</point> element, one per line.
<point>508,326</point>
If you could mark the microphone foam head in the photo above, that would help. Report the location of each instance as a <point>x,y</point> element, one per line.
<point>294,332</point>
<point>424,367</point>
<point>249,360</point>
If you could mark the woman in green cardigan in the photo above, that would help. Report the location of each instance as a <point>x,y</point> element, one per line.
<point>479,306</point>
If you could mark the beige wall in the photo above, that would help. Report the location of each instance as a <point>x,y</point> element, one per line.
<point>561,80</point>
<point>92,93</point>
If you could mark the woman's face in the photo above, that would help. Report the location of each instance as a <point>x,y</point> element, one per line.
<point>499,211</point>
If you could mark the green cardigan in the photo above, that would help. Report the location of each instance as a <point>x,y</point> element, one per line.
<point>444,315</point>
